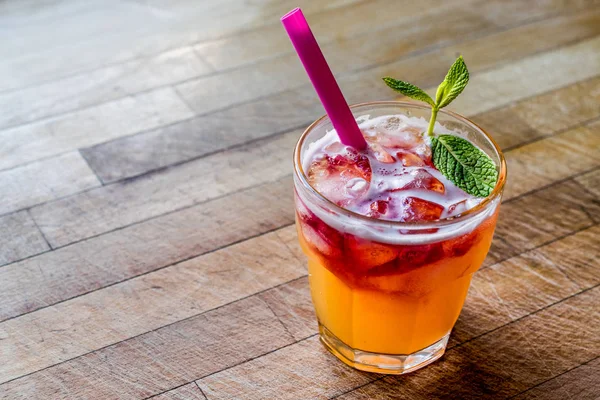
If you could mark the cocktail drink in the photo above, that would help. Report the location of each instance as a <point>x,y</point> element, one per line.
<point>391,243</point>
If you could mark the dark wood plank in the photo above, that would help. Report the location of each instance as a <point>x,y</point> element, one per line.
<point>148,302</point>
<point>581,383</point>
<point>162,359</point>
<point>74,270</point>
<point>98,211</point>
<point>187,392</point>
<point>43,181</point>
<point>110,120</point>
<point>298,107</point>
<point>20,238</point>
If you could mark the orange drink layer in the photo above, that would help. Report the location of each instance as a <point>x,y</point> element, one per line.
<point>392,245</point>
<point>409,299</point>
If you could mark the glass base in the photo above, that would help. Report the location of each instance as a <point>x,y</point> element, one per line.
<point>394,364</point>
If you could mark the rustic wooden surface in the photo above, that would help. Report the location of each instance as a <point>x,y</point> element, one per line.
<point>146,240</point>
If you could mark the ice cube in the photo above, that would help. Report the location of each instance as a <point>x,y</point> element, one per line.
<point>323,239</point>
<point>416,209</point>
<point>381,154</point>
<point>331,176</point>
<point>410,159</point>
<point>378,208</point>
<point>424,180</point>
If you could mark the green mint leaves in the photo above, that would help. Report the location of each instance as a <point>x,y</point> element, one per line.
<point>409,90</point>
<point>465,165</point>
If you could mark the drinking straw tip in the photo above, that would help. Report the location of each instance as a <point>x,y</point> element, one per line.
<point>292,12</point>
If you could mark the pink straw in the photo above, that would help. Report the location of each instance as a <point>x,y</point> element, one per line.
<point>322,79</point>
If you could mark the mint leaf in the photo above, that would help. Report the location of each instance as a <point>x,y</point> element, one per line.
<point>465,165</point>
<point>409,90</point>
<point>454,83</point>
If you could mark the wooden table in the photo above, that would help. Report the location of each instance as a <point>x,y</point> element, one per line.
<point>147,245</point>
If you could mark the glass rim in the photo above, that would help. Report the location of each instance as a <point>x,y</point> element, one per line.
<point>482,206</point>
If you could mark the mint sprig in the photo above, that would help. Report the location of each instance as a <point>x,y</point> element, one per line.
<point>464,164</point>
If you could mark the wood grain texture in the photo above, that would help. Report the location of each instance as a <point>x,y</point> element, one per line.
<point>161,298</point>
<point>186,392</point>
<point>110,207</point>
<point>99,86</point>
<point>507,292</point>
<point>20,238</point>
<point>580,383</point>
<point>123,254</point>
<point>162,359</point>
<point>151,141</point>
<point>46,180</point>
<point>110,120</point>
<point>507,361</point>
<point>267,161</point>
<point>199,136</point>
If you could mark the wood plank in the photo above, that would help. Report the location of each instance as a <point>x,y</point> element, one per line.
<point>121,204</point>
<point>580,383</point>
<point>83,324</point>
<point>296,321</point>
<point>541,163</point>
<point>20,238</point>
<point>536,348</point>
<point>99,86</point>
<point>542,115</point>
<point>518,286</point>
<point>530,221</point>
<point>45,180</point>
<point>187,392</point>
<point>190,391</point>
<point>298,107</point>
<point>141,31</point>
<point>419,35</point>
<point>95,263</point>
<point>333,26</point>
<point>291,303</point>
<point>590,182</point>
<point>531,166</point>
<point>354,53</point>
<point>110,120</point>
<point>531,76</point>
<point>162,359</point>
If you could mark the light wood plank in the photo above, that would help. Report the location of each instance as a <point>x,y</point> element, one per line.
<point>531,76</point>
<point>590,182</point>
<point>90,126</point>
<point>20,238</point>
<point>546,161</point>
<point>141,30</point>
<point>296,108</point>
<point>99,86</point>
<point>99,211</point>
<point>275,75</point>
<point>43,181</point>
<point>186,392</point>
<point>108,259</point>
<point>580,383</point>
<point>533,220</point>
<point>542,115</point>
<point>111,315</point>
<point>162,359</point>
